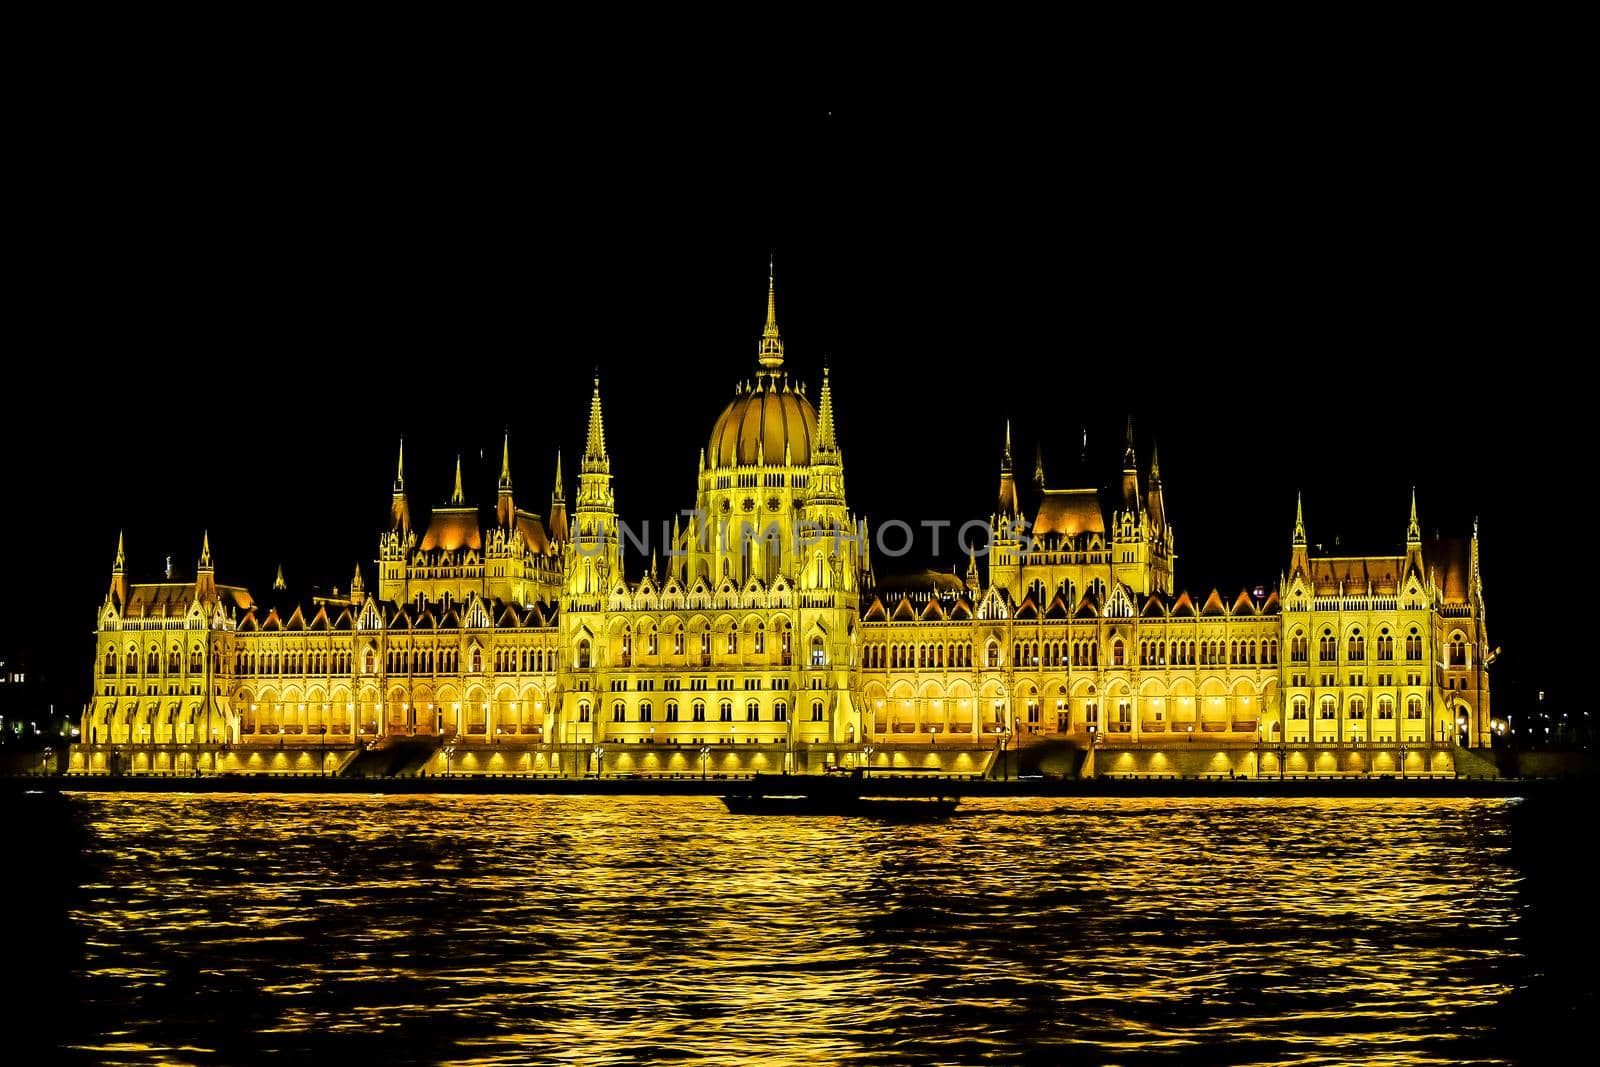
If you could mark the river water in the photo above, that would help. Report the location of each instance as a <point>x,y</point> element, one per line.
<point>618,930</point>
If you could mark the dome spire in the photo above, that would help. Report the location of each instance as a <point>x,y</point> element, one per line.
<point>771,352</point>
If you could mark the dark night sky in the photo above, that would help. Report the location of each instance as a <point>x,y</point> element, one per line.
<point>234,309</point>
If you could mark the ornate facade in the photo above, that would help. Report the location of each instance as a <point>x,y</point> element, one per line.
<point>766,642</point>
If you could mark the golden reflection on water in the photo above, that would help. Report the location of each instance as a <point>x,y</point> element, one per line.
<point>503,930</point>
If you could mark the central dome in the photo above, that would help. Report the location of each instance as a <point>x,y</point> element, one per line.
<point>758,425</point>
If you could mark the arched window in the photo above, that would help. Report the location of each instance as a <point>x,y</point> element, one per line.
<point>780,711</point>
<point>1358,708</point>
<point>699,711</point>
<point>1357,646</point>
<point>583,655</point>
<point>174,660</point>
<point>819,656</point>
<point>1458,651</point>
<point>1385,708</point>
<point>477,661</point>
<point>1385,645</point>
<point>752,711</point>
<point>1116,653</point>
<point>1326,651</point>
<point>733,640</point>
<point>1413,644</point>
<point>677,641</point>
<point>369,662</point>
<point>1327,709</point>
<point>153,664</point>
<point>672,711</point>
<point>645,711</point>
<point>1413,707</point>
<point>1297,647</point>
<point>725,711</point>
<point>650,643</point>
<point>111,661</point>
<point>761,639</point>
<point>583,711</point>
<point>993,655</point>
<point>619,712</point>
<point>816,711</point>
<point>1298,708</point>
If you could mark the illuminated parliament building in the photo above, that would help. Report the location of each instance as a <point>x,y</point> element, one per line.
<point>509,641</point>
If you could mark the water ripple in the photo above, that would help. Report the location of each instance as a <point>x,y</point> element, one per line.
<point>499,930</point>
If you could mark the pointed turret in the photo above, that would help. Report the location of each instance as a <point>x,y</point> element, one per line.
<point>358,588</point>
<point>973,583</point>
<point>1038,467</point>
<point>205,584</point>
<point>1413,563</point>
<point>399,510</point>
<point>559,531</point>
<point>1130,475</point>
<point>1007,506</point>
<point>457,497</point>
<point>278,582</point>
<point>770,355</point>
<point>1299,559</point>
<point>119,577</point>
<point>505,508</point>
<point>1156,504</point>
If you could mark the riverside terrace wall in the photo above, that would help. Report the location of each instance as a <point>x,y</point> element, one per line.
<point>1055,758</point>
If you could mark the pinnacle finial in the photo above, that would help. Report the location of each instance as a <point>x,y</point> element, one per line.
<point>1299,522</point>
<point>205,550</point>
<point>770,355</point>
<point>118,564</point>
<point>278,582</point>
<point>1155,465</point>
<point>1129,462</point>
<point>558,495</point>
<point>1038,465</point>
<point>457,497</point>
<point>1413,528</point>
<point>1008,445</point>
<point>505,461</point>
<point>400,469</point>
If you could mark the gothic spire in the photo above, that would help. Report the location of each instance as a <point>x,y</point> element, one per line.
<point>595,446</point>
<point>825,438</point>
<point>505,505</point>
<point>1413,529</point>
<point>458,498</point>
<point>771,351</point>
<point>1038,466</point>
<point>278,582</point>
<point>1129,462</point>
<point>205,551</point>
<point>120,562</point>
<point>559,530</point>
<point>1155,467</point>
<point>1008,504</point>
<point>1299,523</point>
<point>399,510</point>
